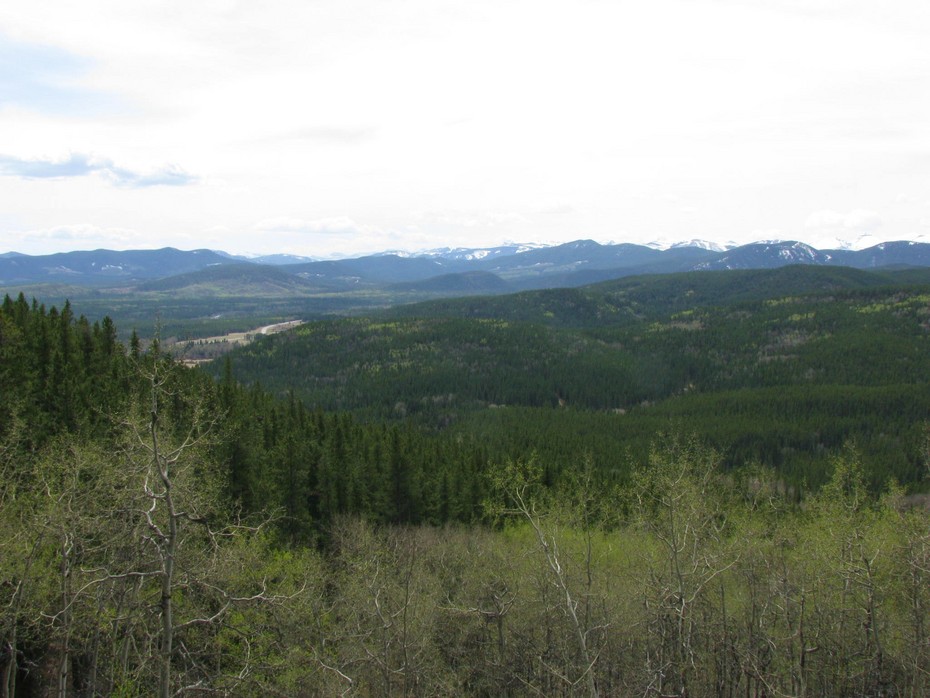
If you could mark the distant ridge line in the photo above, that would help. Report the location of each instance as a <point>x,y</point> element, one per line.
<point>518,266</point>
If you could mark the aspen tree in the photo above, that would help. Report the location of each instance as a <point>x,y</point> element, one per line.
<point>519,485</point>
<point>676,501</point>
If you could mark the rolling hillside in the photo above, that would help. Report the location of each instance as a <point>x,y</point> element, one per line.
<point>776,366</point>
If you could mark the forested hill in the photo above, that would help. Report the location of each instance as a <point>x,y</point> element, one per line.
<point>164,533</point>
<point>118,466</point>
<point>65,380</point>
<point>778,366</point>
<point>636,297</point>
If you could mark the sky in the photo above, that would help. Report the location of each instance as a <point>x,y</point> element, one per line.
<point>343,127</point>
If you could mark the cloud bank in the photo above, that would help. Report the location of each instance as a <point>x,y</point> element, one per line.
<point>379,125</point>
<point>80,165</point>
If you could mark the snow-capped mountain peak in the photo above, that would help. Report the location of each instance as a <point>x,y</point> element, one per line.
<point>701,244</point>
<point>666,244</point>
<point>473,254</point>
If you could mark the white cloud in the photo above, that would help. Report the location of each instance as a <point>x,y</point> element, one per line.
<point>334,225</point>
<point>474,219</point>
<point>558,210</point>
<point>329,135</point>
<point>74,166</point>
<point>80,165</point>
<point>168,176</point>
<point>334,236</point>
<point>80,236</point>
<point>856,221</point>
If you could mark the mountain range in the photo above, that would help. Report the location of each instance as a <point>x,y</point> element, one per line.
<point>467,271</point>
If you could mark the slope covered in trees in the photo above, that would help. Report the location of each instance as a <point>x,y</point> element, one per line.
<point>165,533</point>
<point>779,367</point>
<point>128,478</point>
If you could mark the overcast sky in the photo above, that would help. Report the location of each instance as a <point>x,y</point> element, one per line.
<point>318,127</point>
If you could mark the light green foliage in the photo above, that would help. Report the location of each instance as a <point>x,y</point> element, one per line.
<point>678,500</point>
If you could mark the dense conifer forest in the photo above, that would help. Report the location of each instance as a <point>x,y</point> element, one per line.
<point>703,484</point>
<point>776,367</point>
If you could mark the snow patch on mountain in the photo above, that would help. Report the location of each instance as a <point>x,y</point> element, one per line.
<point>472,254</point>
<point>666,244</point>
<point>700,244</point>
<point>828,242</point>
